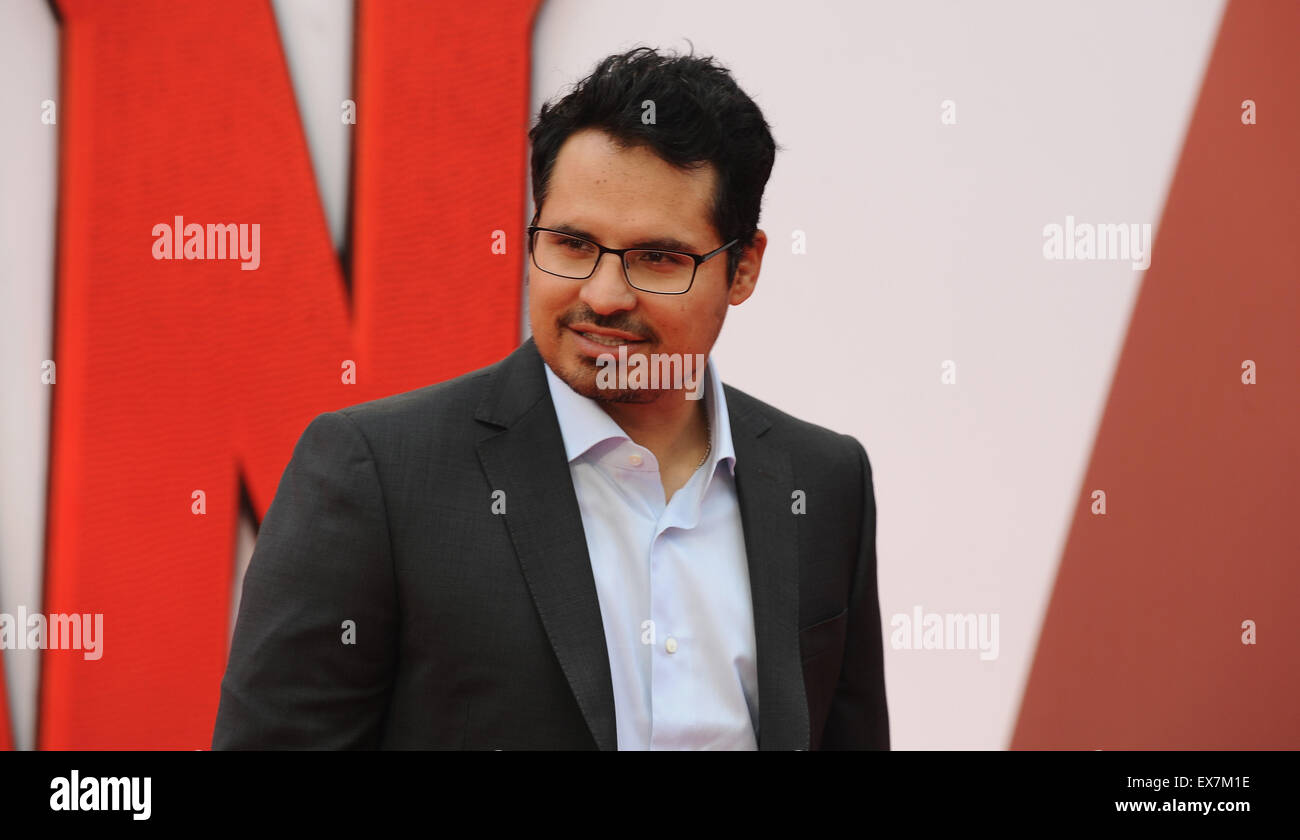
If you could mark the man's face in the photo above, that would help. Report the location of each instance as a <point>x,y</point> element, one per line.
<point>623,198</point>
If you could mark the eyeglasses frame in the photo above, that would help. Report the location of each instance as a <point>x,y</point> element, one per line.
<point>699,259</point>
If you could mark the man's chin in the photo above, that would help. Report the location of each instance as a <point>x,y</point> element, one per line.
<point>580,376</point>
<point>578,371</point>
<point>585,385</point>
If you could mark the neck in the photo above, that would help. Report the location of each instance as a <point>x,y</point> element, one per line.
<point>674,428</point>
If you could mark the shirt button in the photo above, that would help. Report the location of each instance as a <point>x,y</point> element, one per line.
<point>671,645</point>
<point>634,460</point>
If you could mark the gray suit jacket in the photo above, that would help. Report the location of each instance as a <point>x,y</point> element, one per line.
<point>474,629</point>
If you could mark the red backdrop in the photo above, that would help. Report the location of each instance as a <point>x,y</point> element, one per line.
<point>176,376</point>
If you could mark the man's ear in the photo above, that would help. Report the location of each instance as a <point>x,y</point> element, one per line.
<point>751,260</point>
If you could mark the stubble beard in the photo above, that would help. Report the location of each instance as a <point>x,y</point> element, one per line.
<point>582,379</point>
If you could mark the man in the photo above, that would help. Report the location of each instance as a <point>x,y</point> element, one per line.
<point>550,553</point>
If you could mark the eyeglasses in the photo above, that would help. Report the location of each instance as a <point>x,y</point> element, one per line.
<point>645,269</point>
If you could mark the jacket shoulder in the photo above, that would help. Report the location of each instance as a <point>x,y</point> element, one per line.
<point>441,405</point>
<point>788,429</point>
<point>466,388</point>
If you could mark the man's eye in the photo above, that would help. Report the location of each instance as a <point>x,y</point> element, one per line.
<point>575,244</point>
<point>661,259</point>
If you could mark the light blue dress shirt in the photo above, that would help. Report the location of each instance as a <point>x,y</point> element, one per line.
<point>672,579</point>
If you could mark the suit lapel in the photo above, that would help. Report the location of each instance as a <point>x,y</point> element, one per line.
<point>525,458</point>
<point>764,483</point>
<point>527,461</point>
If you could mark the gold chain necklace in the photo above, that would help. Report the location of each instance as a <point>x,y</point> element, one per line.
<point>708,433</point>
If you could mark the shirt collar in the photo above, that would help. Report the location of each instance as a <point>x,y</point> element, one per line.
<point>584,424</point>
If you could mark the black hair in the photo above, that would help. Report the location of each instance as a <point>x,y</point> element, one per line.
<point>701,116</point>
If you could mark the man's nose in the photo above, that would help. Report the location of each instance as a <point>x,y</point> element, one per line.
<point>607,290</point>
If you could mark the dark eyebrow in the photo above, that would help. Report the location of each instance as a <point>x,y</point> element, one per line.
<point>666,243</point>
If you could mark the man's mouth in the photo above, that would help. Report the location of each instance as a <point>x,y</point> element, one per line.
<point>613,338</point>
<point>608,341</point>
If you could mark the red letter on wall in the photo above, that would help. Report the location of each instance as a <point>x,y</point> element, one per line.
<point>184,375</point>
